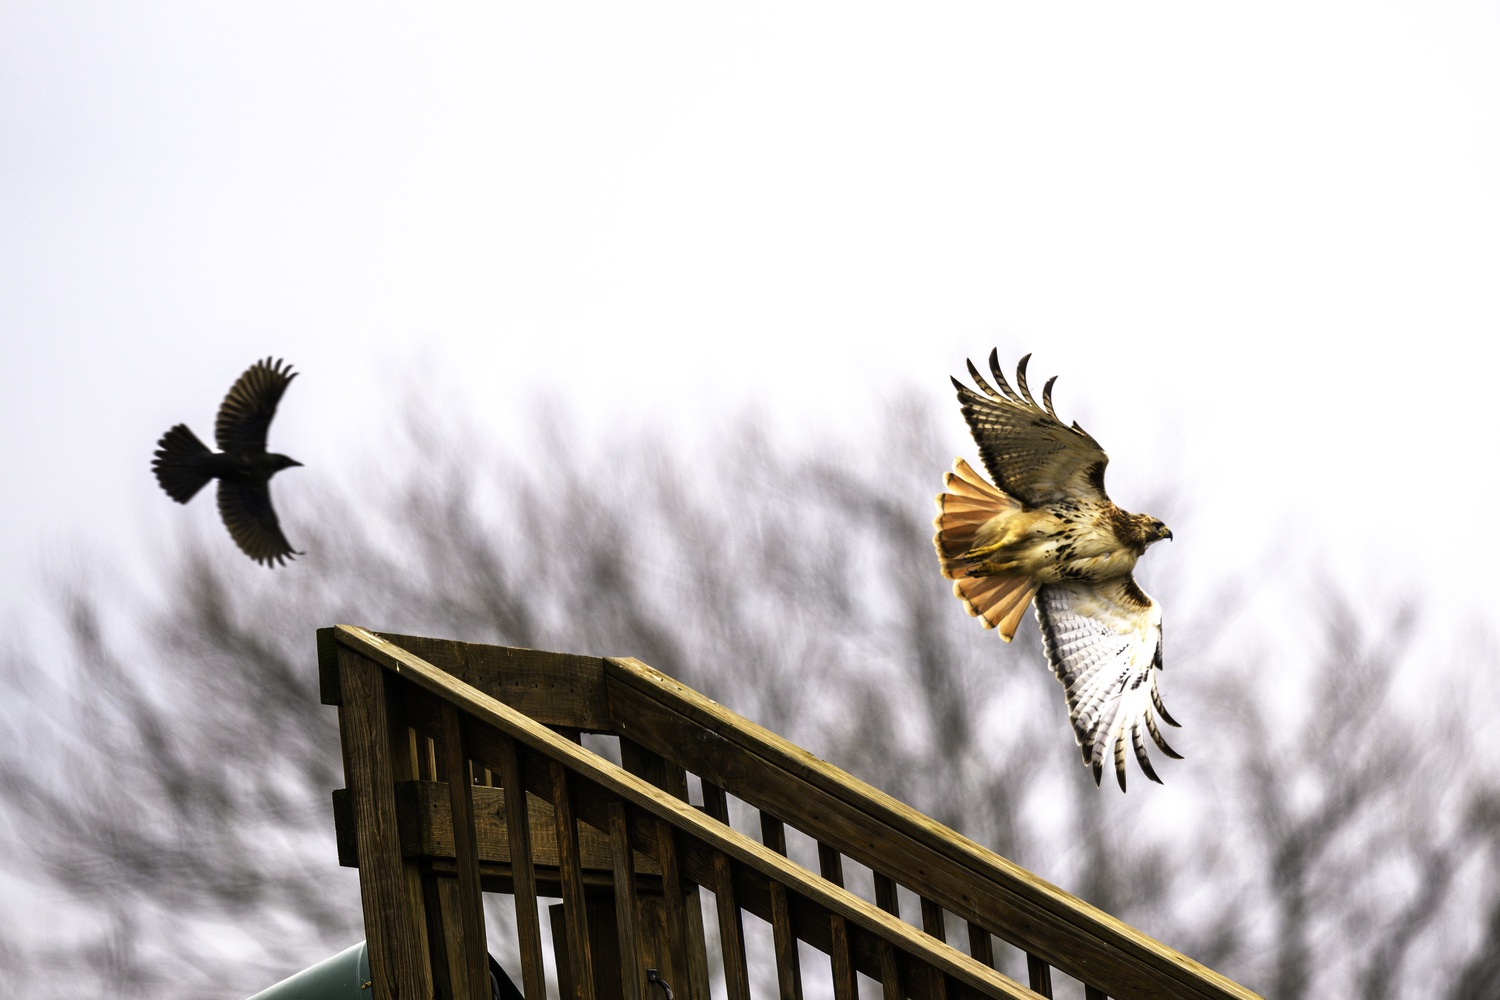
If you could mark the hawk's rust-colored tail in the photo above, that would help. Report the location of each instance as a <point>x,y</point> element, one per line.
<point>999,599</point>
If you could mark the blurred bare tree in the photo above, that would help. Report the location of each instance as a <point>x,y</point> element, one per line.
<point>164,781</point>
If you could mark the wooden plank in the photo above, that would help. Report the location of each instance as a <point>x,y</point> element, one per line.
<point>695,935</point>
<point>731,930</point>
<point>869,838</point>
<point>473,949</point>
<point>460,985</point>
<point>645,763</point>
<point>1039,974</point>
<point>528,923</point>
<point>676,903</point>
<point>562,953</point>
<point>441,937</point>
<point>575,906</point>
<point>328,667</point>
<point>933,921</point>
<point>632,975</point>
<point>813,927</point>
<point>1078,938</point>
<point>555,689</point>
<point>885,894</point>
<point>604,947</point>
<point>425,816</point>
<point>686,961</point>
<point>788,962</point>
<point>429,765</point>
<point>491,715</point>
<point>935,924</point>
<point>830,863</point>
<point>980,947</point>
<point>890,973</point>
<point>845,985</point>
<point>715,802</point>
<point>343,827</point>
<point>396,942</point>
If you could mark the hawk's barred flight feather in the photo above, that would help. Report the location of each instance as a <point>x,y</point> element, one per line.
<point>1048,531</point>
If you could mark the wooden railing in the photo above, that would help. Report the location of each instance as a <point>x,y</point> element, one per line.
<point>626,852</point>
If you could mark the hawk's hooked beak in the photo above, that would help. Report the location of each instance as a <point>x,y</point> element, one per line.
<point>1165,532</point>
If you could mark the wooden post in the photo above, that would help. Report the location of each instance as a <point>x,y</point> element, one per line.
<point>523,875</point>
<point>1093,993</point>
<point>890,973</point>
<point>980,948</point>
<point>788,963</point>
<point>731,930</point>
<point>472,945</point>
<point>677,905</point>
<point>716,802</point>
<point>393,925</point>
<point>845,983</point>
<point>632,977</point>
<point>571,869</point>
<point>1039,975</point>
<point>694,938</point>
<point>934,924</point>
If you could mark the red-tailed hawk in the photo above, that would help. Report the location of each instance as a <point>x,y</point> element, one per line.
<point>1050,532</point>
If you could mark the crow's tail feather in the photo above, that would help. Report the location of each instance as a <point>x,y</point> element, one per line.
<point>179,464</point>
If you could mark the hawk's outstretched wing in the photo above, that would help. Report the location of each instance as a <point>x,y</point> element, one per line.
<point>1104,643</point>
<point>1028,451</point>
<point>251,520</point>
<point>245,415</point>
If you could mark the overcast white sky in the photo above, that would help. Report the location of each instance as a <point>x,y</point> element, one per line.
<point>1258,242</point>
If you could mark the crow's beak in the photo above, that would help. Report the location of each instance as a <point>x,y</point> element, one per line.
<point>293,461</point>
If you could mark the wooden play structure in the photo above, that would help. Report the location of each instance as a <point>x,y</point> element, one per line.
<point>440,738</point>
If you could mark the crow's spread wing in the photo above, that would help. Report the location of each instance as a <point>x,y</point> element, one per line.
<point>251,520</point>
<point>1104,643</point>
<point>1029,452</point>
<point>245,415</point>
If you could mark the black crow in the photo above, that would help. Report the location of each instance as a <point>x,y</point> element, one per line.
<point>244,468</point>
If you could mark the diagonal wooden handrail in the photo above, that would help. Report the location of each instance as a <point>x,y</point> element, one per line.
<point>1082,940</point>
<point>652,800</point>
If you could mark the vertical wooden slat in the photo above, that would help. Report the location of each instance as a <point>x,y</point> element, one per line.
<point>932,920</point>
<point>676,905</point>
<point>440,901</point>
<point>716,802</point>
<point>632,977</point>
<point>414,744</point>
<point>890,972</point>
<point>523,875</point>
<point>398,965</point>
<point>561,959</point>
<point>788,963</point>
<point>731,930</point>
<point>885,895</point>
<point>472,944</point>
<point>1039,975</point>
<point>980,947</point>
<point>1093,993</point>
<point>694,937</point>
<point>934,924</point>
<point>845,984</point>
<point>570,867</point>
